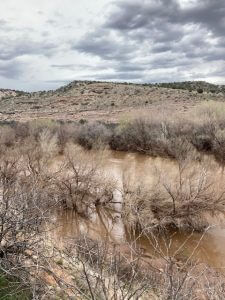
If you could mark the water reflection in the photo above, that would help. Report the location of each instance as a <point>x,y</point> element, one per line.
<point>107,224</point>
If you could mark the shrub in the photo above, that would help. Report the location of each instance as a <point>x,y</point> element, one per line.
<point>93,135</point>
<point>12,289</point>
<point>37,126</point>
<point>103,272</point>
<point>21,130</point>
<point>152,137</point>
<point>177,203</point>
<point>7,136</point>
<point>211,112</point>
<point>82,188</point>
<point>65,133</point>
<point>48,142</point>
<point>24,207</point>
<point>82,121</point>
<point>200,91</point>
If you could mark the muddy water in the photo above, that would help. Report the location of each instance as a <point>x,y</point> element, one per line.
<point>124,168</point>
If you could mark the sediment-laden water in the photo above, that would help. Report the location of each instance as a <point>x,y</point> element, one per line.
<point>106,224</point>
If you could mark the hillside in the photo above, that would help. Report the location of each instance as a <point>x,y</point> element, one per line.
<point>7,93</point>
<point>104,100</point>
<point>199,86</point>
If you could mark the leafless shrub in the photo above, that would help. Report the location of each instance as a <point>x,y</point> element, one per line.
<point>153,137</point>
<point>7,136</point>
<point>209,129</point>
<point>180,203</point>
<point>182,277</point>
<point>24,206</point>
<point>21,130</point>
<point>101,271</point>
<point>48,142</point>
<point>81,188</point>
<point>93,135</point>
<point>66,133</point>
<point>211,112</point>
<point>37,126</point>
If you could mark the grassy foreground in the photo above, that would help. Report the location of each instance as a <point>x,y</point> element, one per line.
<point>12,290</point>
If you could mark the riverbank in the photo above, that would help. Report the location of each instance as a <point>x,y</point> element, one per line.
<point>41,173</point>
<point>174,136</point>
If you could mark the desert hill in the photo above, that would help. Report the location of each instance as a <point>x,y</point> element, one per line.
<point>105,100</point>
<point>7,93</point>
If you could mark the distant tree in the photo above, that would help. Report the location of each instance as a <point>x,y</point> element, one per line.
<point>200,91</point>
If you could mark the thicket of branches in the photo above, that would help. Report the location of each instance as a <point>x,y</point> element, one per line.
<point>184,201</point>
<point>31,191</point>
<point>32,188</point>
<point>102,270</point>
<point>202,131</point>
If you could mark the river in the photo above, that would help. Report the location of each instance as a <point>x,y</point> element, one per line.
<point>105,224</point>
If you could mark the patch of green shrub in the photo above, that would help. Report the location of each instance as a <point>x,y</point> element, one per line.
<point>11,289</point>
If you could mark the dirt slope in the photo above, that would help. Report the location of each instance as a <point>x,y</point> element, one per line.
<point>98,100</point>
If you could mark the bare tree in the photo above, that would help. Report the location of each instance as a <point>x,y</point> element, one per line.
<point>25,204</point>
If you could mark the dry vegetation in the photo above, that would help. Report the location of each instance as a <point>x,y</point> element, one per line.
<point>100,270</point>
<point>30,194</point>
<point>182,202</point>
<point>104,101</point>
<point>162,135</point>
<point>33,188</point>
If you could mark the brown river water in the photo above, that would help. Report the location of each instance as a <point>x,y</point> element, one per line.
<point>107,224</point>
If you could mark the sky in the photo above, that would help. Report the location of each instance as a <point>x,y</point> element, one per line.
<point>45,44</point>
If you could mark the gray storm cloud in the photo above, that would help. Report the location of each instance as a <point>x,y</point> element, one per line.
<point>160,34</point>
<point>140,41</point>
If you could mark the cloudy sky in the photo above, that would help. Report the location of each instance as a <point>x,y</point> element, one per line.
<point>47,43</point>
